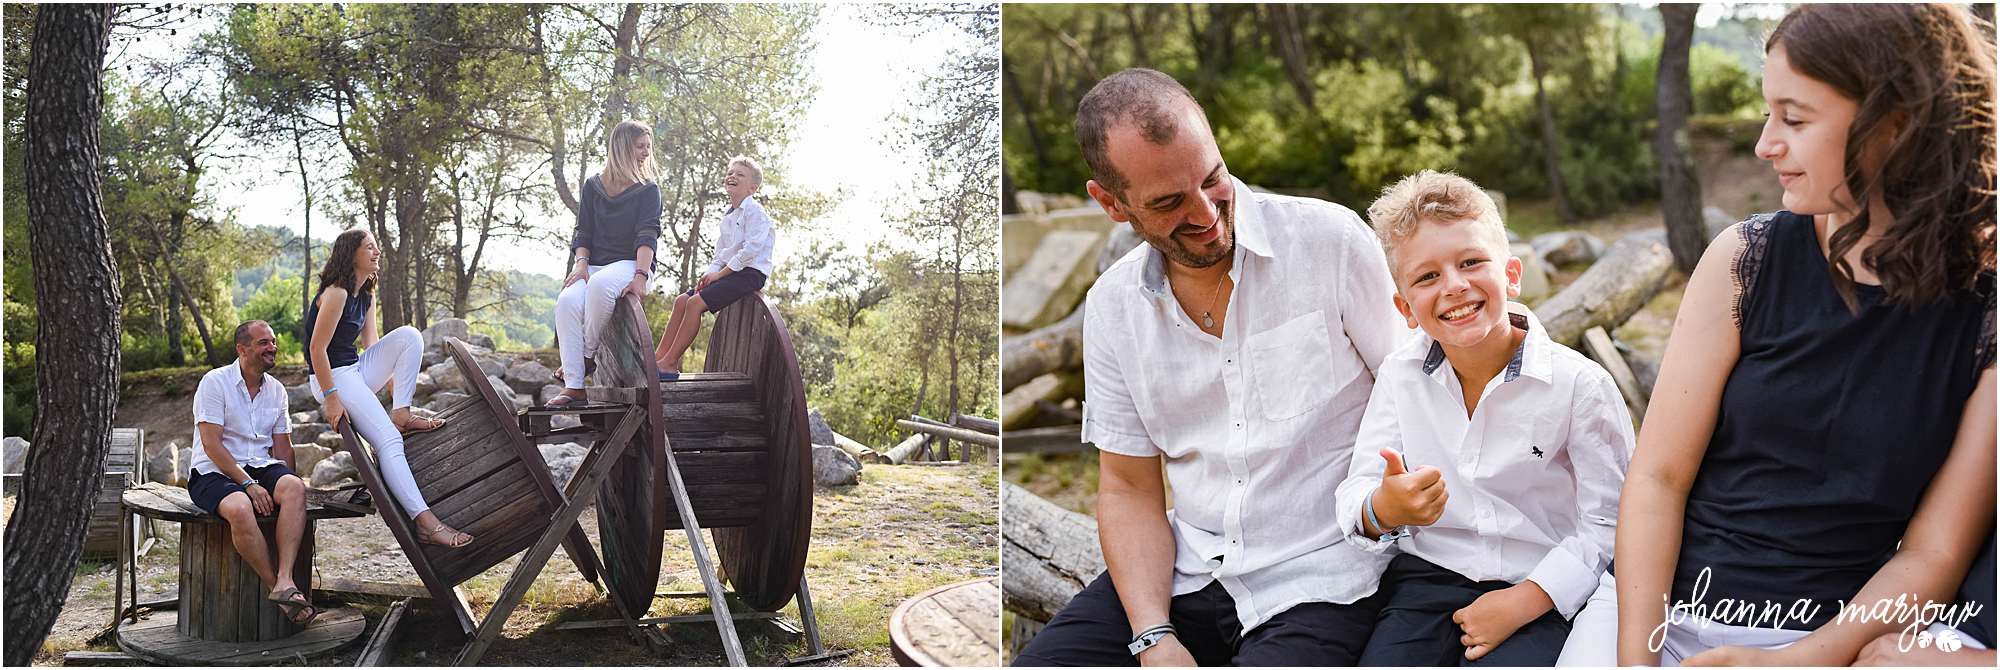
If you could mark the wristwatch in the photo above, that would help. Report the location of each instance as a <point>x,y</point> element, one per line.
<point>1149,637</point>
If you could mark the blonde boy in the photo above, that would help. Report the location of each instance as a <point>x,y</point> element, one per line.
<point>1501,452</point>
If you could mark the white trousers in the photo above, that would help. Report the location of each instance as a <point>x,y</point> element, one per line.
<point>398,356</point>
<point>583,308</point>
<point>1593,634</point>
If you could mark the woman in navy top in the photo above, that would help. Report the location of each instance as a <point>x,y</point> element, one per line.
<point>617,229</point>
<point>346,380</point>
<point>1822,431</point>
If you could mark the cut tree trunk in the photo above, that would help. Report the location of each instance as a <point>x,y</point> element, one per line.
<point>1680,189</point>
<point>960,434</point>
<point>1057,346</point>
<point>1023,403</point>
<point>1051,553</point>
<point>1615,287</point>
<point>76,341</point>
<point>907,449</point>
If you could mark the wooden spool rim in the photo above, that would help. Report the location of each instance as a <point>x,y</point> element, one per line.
<point>636,590</point>
<point>901,646</point>
<point>154,639</point>
<point>782,533</point>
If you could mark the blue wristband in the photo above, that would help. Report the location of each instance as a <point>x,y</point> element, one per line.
<point>1369,507</point>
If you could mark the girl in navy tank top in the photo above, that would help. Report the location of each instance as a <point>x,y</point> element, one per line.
<point>1822,430</point>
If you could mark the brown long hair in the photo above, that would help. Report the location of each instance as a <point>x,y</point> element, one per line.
<point>339,269</point>
<point>1925,74</point>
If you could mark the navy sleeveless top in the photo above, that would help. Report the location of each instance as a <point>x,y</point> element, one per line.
<point>341,351</point>
<point>1829,429</point>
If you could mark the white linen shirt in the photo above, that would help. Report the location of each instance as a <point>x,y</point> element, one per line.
<point>248,424</point>
<point>1256,426</point>
<point>1533,475</point>
<point>745,238</point>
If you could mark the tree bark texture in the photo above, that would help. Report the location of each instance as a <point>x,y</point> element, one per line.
<point>1551,142</point>
<point>76,341</point>
<point>1680,189</point>
<point>1051,553</point>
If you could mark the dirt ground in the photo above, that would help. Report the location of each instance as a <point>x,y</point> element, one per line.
<point>900,531</point>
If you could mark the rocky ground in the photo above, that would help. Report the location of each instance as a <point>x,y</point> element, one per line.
<point>900,531</point>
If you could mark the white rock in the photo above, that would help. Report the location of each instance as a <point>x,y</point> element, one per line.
<point>561,421</point>
<point>833,467</point>
<point>528,376</point>
<point>816,424</point>
<point>308,416</point>
<point>13,455</point>
<point>426,385</point>
<point>160,464</point>
<point>333,470</point>
<point>306,456</point>
<point>442,328</point>
<point>300,398</point>
<point>548,392</point>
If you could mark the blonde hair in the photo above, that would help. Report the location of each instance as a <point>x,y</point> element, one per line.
<point>1436,197</point>
<point>620,164</point>
<point>756,173</point>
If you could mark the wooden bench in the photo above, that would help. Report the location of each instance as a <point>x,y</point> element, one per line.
<point>221,616</point>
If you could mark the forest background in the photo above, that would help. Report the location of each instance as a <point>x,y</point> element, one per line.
<point>460,135</point>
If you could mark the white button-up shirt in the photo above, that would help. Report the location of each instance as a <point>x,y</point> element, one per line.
<point>1533,475</point>
<point>248,424</point>
<point>1256,426</point>
<point>745,239</point>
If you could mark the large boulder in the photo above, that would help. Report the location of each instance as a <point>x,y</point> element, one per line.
<point>426,385</point>
<point>491,364</point>
<point>506,392</point>
<point>529,376</point>
<point>299,397</point>
<point>445,399</point>
<point>306,456</point>
<point>561,421</point>
<point>328,439</point>
<point>446,377</point>
<point>821,433</point>
<point>308,433</point>
<point>13,454</point>
<point>161,466</point>
<point>1535,283</point>
<point>833,467</point>
<point>334,470</point>
<point>481,340</point>
<point>1568,247</point>
<point>563,460</point>
<point>548,392</point>
<point>443,328</point>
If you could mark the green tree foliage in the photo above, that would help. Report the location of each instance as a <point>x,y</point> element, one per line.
<point>1340,100</point>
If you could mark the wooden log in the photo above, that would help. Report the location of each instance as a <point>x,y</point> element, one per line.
<point>859,451</point>
<point>978,423</point>
<point>1051,440</point>
<point>1053,280</point>
<point>960,434</point>
<point>1058,346</point>
<point>1615,287</point>
<point>379,644</point>
<point>1018,406</point>
<point>1051,553</point>
<point>1055,413</point>
<point>907,449</point>
<point>1597,344</point>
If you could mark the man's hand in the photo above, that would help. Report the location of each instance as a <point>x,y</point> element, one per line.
<point>707,279</point>
<point>1408,498</point>
<point>1168,652</point>
<point>260,499</point>
<point>1494,617</point>
<point>1887,651</point>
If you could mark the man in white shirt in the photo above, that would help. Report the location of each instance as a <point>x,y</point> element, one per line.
<point>1251,398</point>
<point>742,264</point>
<point>243,463</point>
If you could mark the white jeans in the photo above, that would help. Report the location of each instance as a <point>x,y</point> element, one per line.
<point>583,308</point>
<point>1593,634</point>
<point>398,356</point>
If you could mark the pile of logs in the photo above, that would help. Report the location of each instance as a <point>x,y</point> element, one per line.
<point>930,440</point>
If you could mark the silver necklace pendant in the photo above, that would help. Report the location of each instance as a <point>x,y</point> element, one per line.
<point>1207,321</point>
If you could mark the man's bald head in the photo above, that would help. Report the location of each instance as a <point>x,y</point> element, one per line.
<point>1148,99</point>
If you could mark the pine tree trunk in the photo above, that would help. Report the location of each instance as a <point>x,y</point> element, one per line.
<point>1680,188</point>
<point>214,357</point>
<point>305,239</point>
<point>176,354</point>
<point>1551,142</point>
<point>76,340</point>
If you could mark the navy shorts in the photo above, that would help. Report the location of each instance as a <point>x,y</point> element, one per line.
<point>727,290</point>
<point>209,489</point>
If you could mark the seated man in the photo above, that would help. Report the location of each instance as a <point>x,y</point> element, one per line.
<point>242,463</point>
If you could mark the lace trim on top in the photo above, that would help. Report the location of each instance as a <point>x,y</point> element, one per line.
<point>1755,235</point>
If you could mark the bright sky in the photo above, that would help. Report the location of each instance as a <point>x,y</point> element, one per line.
<point>846,140</point>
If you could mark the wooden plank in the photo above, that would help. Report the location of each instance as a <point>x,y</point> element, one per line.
<point>717,417</point>
<point>493,463</point>
<point>685,442</point>
<point>732,645</point>
<point>493,493</point>
<point>654,621</point>
<point>1598,344</point>
<point>959,434</point>
<point>449,447</point>
<point>496,544</point>
<point>400,526</point>
<point>1052,440</point>
<point>100,659</point>
<point>342,588</point>
<point>591,473</point>
<point>380,643</point>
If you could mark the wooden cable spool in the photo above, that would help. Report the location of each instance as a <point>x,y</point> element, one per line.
<point>740,438</point>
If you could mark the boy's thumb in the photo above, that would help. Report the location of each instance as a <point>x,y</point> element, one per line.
<point>1395,459</point>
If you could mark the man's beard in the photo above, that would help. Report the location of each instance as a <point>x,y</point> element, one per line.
<point>1172,247</point>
